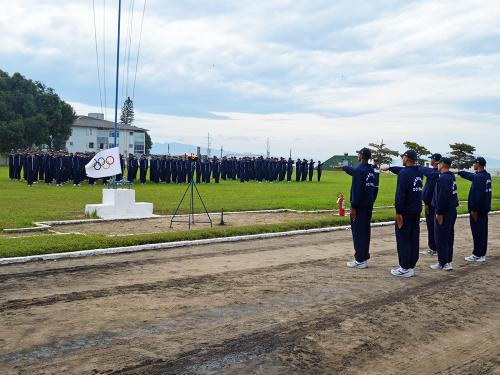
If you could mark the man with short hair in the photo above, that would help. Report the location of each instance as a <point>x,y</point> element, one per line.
<point>361,198</point>
<point>445,203</point>
<point>479,204</point>
<point>408,204</point>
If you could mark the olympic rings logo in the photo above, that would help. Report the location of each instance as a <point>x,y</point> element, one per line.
<point>103,163</point>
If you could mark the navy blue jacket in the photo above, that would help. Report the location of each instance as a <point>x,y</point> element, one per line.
<point>431,176</point>
<point>409,191</point>
<point>445,194</point>
<point>480,191</point>
<point>363,185</point>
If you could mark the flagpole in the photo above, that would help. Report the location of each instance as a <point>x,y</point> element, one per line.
<point>117,69</point>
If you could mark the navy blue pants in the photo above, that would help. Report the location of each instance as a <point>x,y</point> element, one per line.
<point>361,231</point>
<point>429,220</point>
<point>479,230</point>
<point>408,241</point>
<point>445,237</point>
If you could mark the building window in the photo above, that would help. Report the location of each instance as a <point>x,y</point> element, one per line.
<point>130,146</point>
<point>101,146</point>
<point>112,134</point>
<point>131,133</point>
<point>138,149</point>
<point>91,144</point>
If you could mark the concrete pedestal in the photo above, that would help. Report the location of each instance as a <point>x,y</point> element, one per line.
<point>119,204</point>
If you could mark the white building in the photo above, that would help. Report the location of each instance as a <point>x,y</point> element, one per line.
<point>92,133</point>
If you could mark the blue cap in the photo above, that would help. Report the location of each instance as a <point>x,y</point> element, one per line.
<point>480,160</point>
<point>410,154</point>
<point>445,160</point>
<point>365,152</point>
<point>436,157</point>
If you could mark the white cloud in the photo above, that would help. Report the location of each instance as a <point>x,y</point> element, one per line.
<point>336,74</point>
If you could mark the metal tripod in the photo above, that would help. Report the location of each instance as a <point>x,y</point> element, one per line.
<point>191,188</point>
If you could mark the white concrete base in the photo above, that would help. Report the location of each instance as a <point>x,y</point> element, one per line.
<point>119,204</point>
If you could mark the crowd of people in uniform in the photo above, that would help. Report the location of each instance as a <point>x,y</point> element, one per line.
<point>440,201</point>
<point>62,167</point>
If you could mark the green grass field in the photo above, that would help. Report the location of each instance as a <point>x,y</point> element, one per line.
<point>20,206</point>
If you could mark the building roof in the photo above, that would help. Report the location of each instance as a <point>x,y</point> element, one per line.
<point>91,122</point>
<point>336,161</point>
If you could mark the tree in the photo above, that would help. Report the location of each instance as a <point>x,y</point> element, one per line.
<point>148,143</point>
<point>127,116</point>
<point>32,114</point>
<point>382,153</point>
<point>422,152</point>
<point>462,155</point>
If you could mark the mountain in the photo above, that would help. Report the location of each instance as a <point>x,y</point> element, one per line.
<point>175,148</point>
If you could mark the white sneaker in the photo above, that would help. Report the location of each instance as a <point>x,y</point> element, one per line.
<point>429,252</point>
<point>401,272</point>
<point>436,266</point>
<point>447,267</point>
<point>474,258</point>
<point>356,264</point>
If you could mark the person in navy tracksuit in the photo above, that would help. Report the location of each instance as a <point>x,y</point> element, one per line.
<point>479,203</point>
<point>445,203</point>
<point>362,198</point>
<point>431,177</point>
<point>408,204</point>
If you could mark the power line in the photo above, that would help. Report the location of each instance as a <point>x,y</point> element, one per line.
<point>131,29</point>
<point>104,56</point>
<point>97,55</point>
<point>138,50</point>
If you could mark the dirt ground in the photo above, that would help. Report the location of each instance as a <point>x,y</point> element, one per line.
<point>162,224</point>
<point>275,306</point>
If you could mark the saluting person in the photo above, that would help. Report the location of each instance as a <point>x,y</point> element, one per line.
<point>445,203</point>
<point>479,204</point>
<point>408,204</point>
<point>361,198</point>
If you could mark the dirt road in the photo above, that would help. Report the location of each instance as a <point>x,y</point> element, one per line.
<point>276,306</point>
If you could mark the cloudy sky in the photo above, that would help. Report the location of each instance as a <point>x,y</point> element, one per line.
<point>317,76</point>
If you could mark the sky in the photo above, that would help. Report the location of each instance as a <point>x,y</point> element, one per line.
<point>316,77</point>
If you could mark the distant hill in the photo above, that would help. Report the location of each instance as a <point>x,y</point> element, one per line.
<point>175,148</point>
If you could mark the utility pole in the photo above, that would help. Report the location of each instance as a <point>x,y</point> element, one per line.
<point>268,148</point>
<point>290,153</point>
<point>168,149</point>
<point>209,151</point>
<point>221,149</point>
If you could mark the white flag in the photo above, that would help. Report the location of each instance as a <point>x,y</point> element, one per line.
<point>104,164</point>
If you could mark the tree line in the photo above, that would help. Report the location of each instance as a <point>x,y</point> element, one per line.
<point>461,154</point>
<point>32,114</point>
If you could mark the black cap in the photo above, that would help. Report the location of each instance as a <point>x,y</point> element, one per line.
<point>480,160</point>
<point>445,160</point>
<point>412,155</point>
<point>436,157</point>
<point>365,152</point>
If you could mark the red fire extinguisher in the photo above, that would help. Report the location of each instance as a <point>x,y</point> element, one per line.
<point>340,201</point>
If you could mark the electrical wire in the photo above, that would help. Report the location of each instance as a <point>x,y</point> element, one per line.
<point>138,50</point>
<point>97,55</point>
<point>104,57</point>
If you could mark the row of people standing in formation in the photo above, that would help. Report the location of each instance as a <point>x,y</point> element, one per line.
<point>440,200</point>
<point>168,169</point>
<point>61,167</point>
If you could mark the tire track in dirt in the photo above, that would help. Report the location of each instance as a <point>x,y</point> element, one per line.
<point>246,347</point>
<point>35,274</point>
<point>220,278</point>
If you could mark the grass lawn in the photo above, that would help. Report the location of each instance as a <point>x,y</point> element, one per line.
<point>20,206</point>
